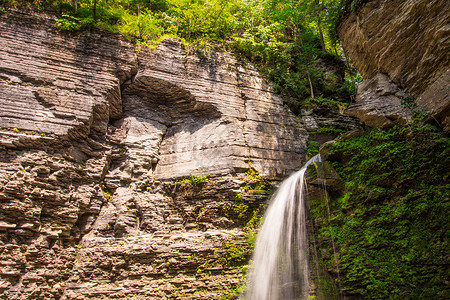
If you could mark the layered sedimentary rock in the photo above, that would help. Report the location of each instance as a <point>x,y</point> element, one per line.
<point>215,114</point>
<point>92,136</point>
<point>408,41</point>
<point>379,103</point>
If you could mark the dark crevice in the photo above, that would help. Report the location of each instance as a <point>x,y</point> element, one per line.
<point>244,98</point>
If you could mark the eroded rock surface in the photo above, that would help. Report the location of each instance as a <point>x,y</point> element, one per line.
<point>378,103</point>
<point>92,136</point>
<point>409,42</point>
<point>218,114</point>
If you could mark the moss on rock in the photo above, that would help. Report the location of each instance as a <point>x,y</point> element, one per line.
<point>390,225</point>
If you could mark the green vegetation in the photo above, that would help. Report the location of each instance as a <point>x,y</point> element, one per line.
<point>233,293</point>
<point>293,42</point>
<point>197,179</point>
<point>326,102</point>
<point>105,190</point>
<point>238,256</point>
<point>312,148</point>
<point>391,225</point>
<point>256,184</point>
<point>418,112</point>
<point>327,130</point>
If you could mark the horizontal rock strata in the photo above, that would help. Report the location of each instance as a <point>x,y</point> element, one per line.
<point>408,41</point>
<point>378,103</point>
<point>93,135</point>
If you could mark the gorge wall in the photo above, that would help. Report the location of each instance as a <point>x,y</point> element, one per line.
<point>401,48</point>
<point>381,232</point>
<point>104,147</point>
<point>93,134</point>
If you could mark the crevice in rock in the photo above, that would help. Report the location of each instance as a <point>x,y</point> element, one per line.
<point>245,117</point>
<point>101,138</point>
<point>98,144</point>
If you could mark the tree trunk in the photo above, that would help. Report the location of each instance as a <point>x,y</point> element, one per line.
<point>95,10</point>
<point>320,31</point>
<point>75,7</point>
<point>310,84</point>
<point>189,28</point>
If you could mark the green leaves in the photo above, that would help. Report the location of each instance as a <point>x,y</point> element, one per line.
<point>71,23</point>
<point>391,225</point>
<point>145,26</point>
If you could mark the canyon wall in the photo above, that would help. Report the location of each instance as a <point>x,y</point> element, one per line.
<point>401,48</point>
<point>98,140</point>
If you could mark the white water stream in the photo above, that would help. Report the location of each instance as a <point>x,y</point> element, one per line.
<point>279,269</point>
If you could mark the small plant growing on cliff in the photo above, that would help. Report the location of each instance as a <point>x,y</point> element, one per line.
<point>168,186</point>
<point>312,148</point>
<point>71,23</point>
<point>198,179</point>
<point>239,206</point>
<point>407,101</point>
<point>419,113</point>
<point>105,191</point>
<point>327,130</point>
<point>256,219</point>
<point>326,102</point>
<point>253,181</point>
<point>252,174</point>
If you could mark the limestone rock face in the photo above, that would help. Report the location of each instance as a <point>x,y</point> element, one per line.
<point>93,135</point>
<point>409,42</point>
<point>378,103</point>
<point>215,114</point>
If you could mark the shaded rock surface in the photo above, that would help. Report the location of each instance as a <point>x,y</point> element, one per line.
<point>324,124</point>
<point>378,103</point>
<point>92,135</point>
<point>409,42</point>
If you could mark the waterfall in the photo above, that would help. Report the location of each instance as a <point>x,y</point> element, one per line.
<point>280,262</point>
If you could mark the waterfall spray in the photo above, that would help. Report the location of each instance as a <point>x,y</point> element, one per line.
<point>280,261</point>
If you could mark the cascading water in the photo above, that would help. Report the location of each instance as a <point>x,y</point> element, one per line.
<point>280,262</point>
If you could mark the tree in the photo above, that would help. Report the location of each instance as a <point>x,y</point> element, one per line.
<point>94,10</point>
<point>319,25</point>
<point>75,7</point>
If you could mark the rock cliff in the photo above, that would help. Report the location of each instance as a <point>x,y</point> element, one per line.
<point>93,134</point>
<point>401,48</point>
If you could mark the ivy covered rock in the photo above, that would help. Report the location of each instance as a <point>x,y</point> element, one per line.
<point>385,235</point>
